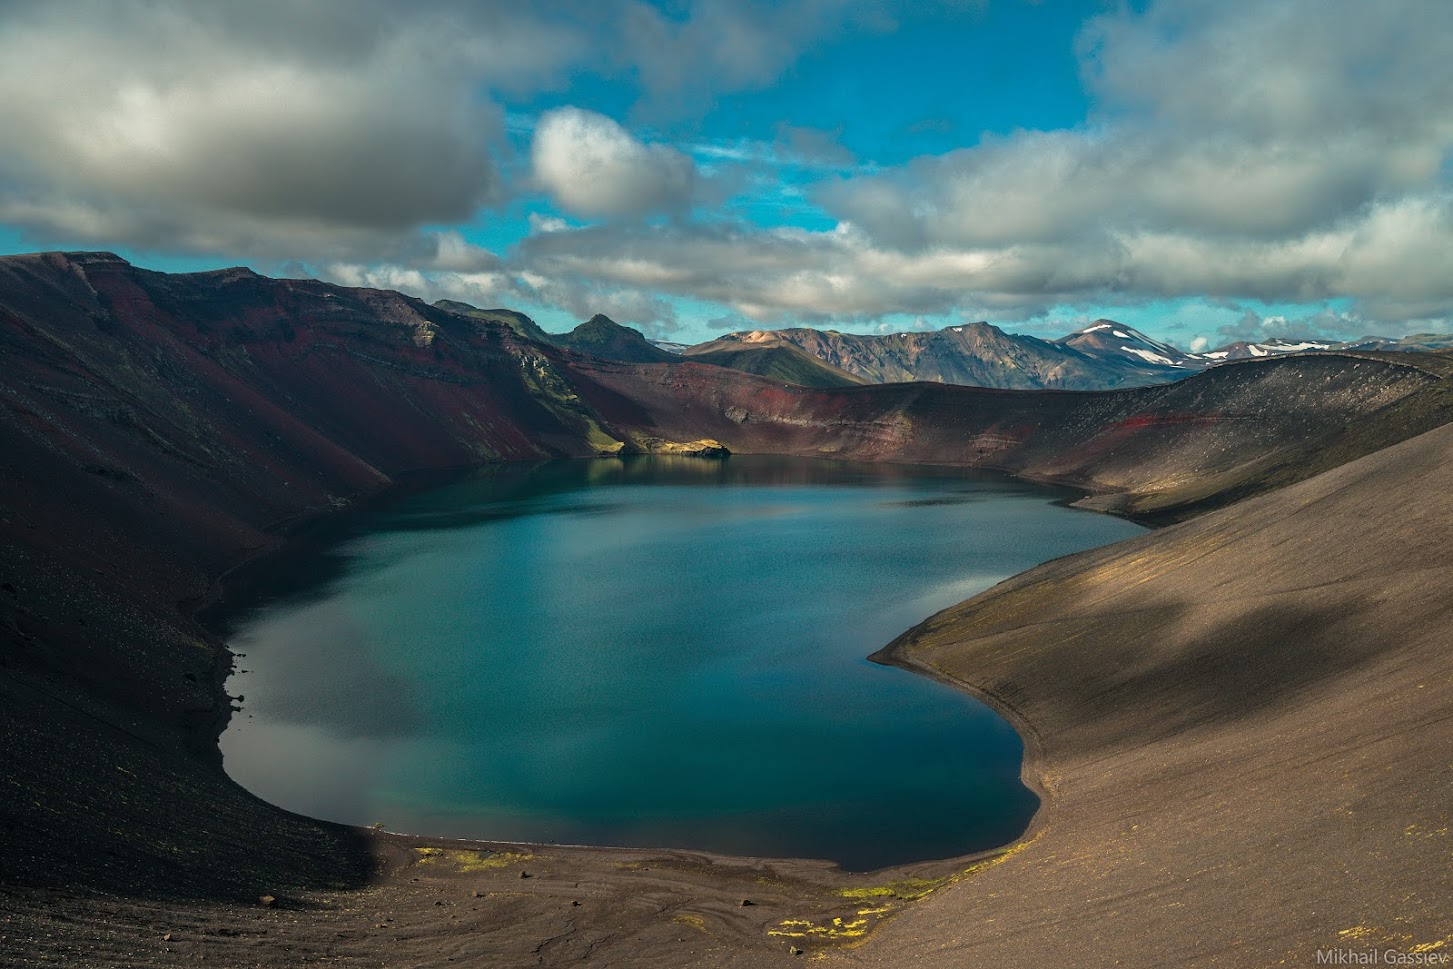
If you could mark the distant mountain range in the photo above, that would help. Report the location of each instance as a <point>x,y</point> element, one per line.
<point>974,354</point>
<point>1102,356</point>
<point>1417,343</point>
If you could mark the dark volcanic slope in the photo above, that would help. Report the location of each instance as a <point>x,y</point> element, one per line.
<point>1243,724</point>
<point>153,432</point>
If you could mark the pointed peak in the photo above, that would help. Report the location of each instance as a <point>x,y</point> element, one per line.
<point>1102,325</point>
<point>1109,329</point>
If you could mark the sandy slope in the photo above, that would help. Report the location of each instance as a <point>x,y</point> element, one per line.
<point>1245,724</point>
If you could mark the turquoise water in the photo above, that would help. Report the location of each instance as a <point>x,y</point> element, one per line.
<point>650,652</point>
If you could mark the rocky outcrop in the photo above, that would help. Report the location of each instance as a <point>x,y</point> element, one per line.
<point>703,448</point>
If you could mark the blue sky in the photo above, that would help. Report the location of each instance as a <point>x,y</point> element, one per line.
<point>1203,171</point>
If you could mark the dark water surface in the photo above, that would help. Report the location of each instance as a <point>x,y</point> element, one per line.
<point>650,652</point>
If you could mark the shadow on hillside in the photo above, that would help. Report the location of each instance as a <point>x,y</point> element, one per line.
<point>85,805</point>
<point>1143,677</point>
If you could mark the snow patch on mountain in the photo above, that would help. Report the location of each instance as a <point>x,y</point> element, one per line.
<point>1151,357</point>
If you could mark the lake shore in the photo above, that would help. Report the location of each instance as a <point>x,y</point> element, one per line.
<point>1108,775</point>
<point>726,736</point>
<point>379,897</point>
<point>1158,796</point>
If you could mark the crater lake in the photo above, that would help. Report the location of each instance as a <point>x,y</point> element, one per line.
<point>651,652</point>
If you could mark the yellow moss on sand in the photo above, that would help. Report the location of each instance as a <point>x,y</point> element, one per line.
<point>901,890</point>
<point>834,931</point>
<point>909,889</point>
<point>484,861</point>
<point>467,861</point>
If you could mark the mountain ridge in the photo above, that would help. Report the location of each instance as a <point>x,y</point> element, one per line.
<point>1100,356</point>
<point>973,354</point>
<point>599,336</point>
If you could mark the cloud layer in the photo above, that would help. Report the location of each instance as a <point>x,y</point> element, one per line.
<point>338,128</point>
<point>1295,151</point>
<point>266,131</point>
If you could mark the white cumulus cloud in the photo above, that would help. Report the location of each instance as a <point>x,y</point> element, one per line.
<point>592,166</point>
